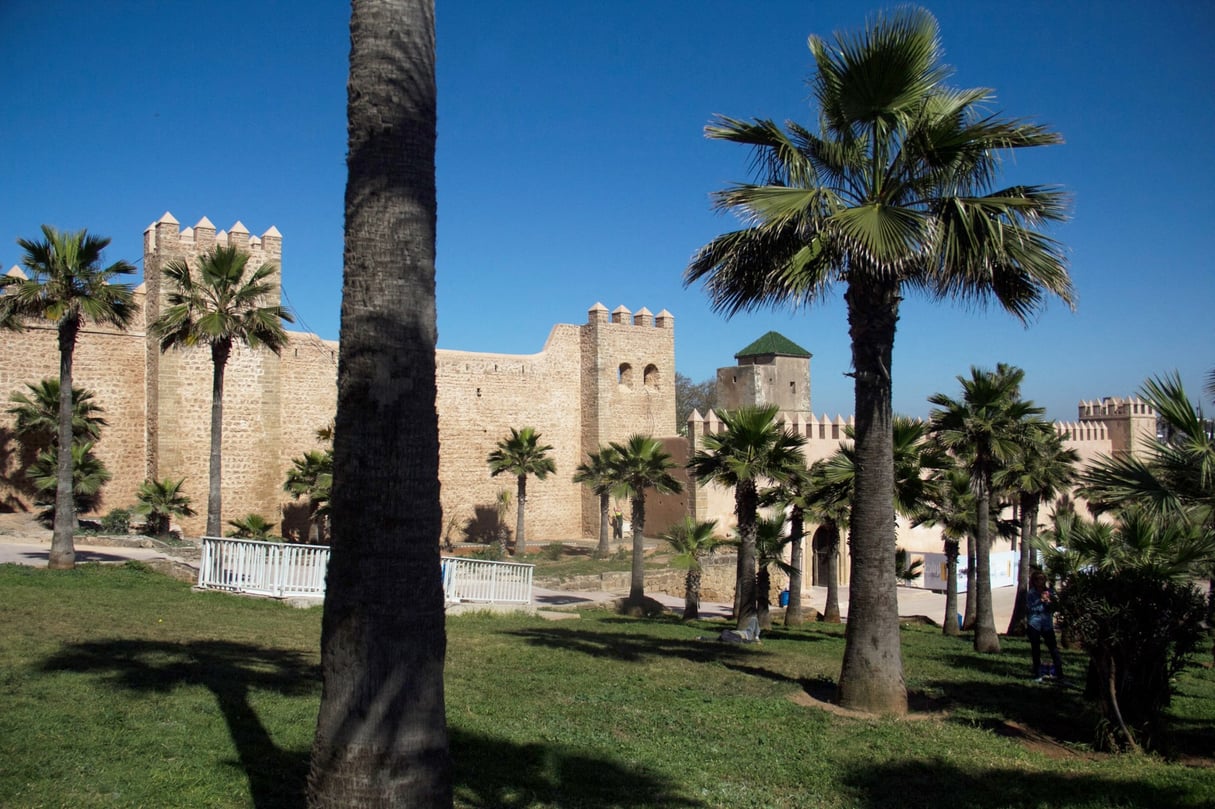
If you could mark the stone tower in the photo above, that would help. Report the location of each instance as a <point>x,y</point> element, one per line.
<point>771,371</point>
<point>178,383</point>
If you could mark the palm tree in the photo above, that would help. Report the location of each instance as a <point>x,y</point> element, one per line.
<point>221,304</point>
<point>828,502</point>
<point>792,496</point>
<point>596,474</point>
<point>160,501</point>
<point>985,430</point>
<point>89,475</point>
<point>1041,470</point>
<point>691,541</point>
<point>311,476</point>
<point>521,455</point>
<point>640,464</point>
<point>751,449</point>
<point>770,544</point>
<point>68,287</point>
<point>251,526</point>
<point>895,193</point>
<point>37,414</point>
<point>381,733</point>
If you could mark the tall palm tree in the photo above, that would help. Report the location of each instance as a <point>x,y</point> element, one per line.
<point>752,449</point>
<point>691,541</point>
<point>1041,470</point>
<point>894,193</point>
<point>381,736</point>
<point>68,286</point>
<point>311,476</point>
<point>521,454</point>
<point>219,304</point>
<point>596,474</point>
<point>770,544</point>
<point>984,430</point>
<point>641,463</point>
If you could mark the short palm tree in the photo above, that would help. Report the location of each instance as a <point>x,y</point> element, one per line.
<point>251,526</point>
<point>159,501</point>
<point>792,496</point>
<point>895,192</point>
<point>37,414</point>
<point>311,476</point>
<point>770,544</point>
<point>949,504</point>
<point>68,286</point>
<point>1041,470</point>
<point>690,542</point>
<point>640,464</point>
<point>596,474</point>
<point>89,475</point>
<point>521,454</point>
<point>218,304</point>
<point>752,449</point>
<point>828,501</point>
<point>984,430</point>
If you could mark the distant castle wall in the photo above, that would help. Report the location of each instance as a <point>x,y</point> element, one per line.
<point>590,384</point>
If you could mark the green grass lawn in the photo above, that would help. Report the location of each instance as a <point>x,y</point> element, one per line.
<point>120,687</point>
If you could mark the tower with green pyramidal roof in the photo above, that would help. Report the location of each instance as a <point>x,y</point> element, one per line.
<point>773,370</point>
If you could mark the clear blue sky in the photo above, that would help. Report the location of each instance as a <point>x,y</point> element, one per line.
<point>572,166</point>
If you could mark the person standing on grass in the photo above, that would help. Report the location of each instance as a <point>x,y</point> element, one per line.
<point>1040,624</point>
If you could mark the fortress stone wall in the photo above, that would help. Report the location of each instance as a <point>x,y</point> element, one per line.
<point>589,384</point>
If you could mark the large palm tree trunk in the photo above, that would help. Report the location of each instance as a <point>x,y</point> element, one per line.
<point>63,549</point>
<point>605,547</point>
<point>219,362</point>
<point>521,497</point>
<point>746,604</point>
<point>986,639</point>
<point>381,737</point>
<point>637,579</point>
<point>871,678</point>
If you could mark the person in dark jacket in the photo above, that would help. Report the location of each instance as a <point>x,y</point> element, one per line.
<point>1040,621</point>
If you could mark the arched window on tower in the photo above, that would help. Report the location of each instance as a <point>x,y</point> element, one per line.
<point>650,378</point>
<point>624,375</point>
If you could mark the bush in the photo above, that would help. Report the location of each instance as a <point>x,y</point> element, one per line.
<point>492,552</point>
<point>1138,629</point>
<point>118,521</point>
<point>552,551</point>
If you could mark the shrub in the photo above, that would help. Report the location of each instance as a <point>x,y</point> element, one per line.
<point>552,551</point>
<point>1138,628</point>
<point>492,552</point>
<point>118,521</point>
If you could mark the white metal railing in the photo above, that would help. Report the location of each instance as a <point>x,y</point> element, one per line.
<point>283,570</point>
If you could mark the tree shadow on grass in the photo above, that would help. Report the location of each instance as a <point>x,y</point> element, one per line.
<point>934,784</point>
<point>491,773</point>
<point>635,648</point>
<point>231,671</point>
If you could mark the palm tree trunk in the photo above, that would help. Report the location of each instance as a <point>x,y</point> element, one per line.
<point>986,639</point>
<point>637,580</point>
<point>968,609</point>
<point>521,496</point>
<point>745,506</point>
<point>605,547</point>
<point>831,610</point>
<point>763,597</point>
<point>1029,522</point>
<point>63,549</point>
<point>381,737</point>
<point>219,362</point>
<point>950,626</point>
<point>871,678</point>
<point>793,612</point>
<point>691,592</point>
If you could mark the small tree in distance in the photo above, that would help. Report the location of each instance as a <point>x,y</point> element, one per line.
<point>521,454</point>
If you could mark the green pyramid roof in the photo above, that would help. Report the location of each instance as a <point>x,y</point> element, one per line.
<point>773,343</point>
